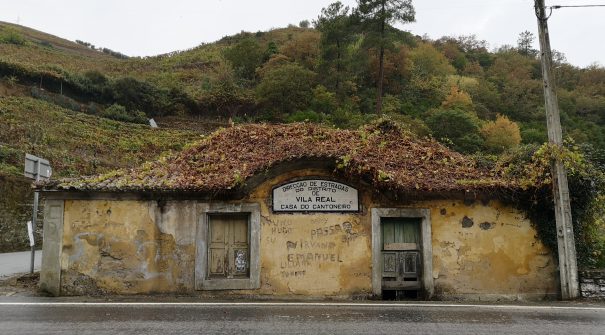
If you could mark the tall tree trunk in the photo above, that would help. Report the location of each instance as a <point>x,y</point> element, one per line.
<point>380,77</point>
<point>338,66</point>
<point>381,66</point>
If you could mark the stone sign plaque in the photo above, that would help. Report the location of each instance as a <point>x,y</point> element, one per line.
<point>315,195</point>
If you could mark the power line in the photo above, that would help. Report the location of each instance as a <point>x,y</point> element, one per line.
<point>550,8</point>
<point>573,6</point>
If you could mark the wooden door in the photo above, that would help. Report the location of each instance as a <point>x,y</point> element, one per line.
<point>401,250</point>
<point>228,246</point>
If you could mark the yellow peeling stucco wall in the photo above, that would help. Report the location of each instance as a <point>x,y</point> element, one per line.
<point>130,247</point>
<point>488,250</point>
<point>127,247</point>
<point>318,254</point>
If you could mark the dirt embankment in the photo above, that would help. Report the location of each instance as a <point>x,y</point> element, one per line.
<point>16,203</point>
<point>12,89</point>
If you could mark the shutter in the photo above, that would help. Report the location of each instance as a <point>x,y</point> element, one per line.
<point>228,248</point>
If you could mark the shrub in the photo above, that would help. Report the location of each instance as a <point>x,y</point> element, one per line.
<point>306,116</point>
<point>457,126</point>
<point>11,81</point>
<point>46,44</point>
<point>349,117</point>
<point>139,95</point>
<point>245,57</point>
<point>10,155</point>
<point>286,89</point>
<point>11,36</point>
<point>119,113</point>
<point>501,135</point>
<point>534,135</point>
<point>323,100</point>
<point>304,24</point>
<point>458,99</point>
<point>409,123</point>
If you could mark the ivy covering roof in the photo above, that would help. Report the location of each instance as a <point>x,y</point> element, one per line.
<point>382,155</point>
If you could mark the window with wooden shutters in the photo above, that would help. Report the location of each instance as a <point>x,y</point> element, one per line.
<point>228,247</point>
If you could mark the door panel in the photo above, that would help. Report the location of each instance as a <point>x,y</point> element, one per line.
<point>217,230</point>
<point>217,262</point>
<point>389,264</point>
<point>240,231</point>
<point>410,263</point>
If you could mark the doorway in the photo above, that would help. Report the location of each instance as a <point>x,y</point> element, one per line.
<point>401,253</point>
<point>401,261</point>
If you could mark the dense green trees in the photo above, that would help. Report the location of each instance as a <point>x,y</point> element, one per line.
<point>335,73</point>
<point>224,96</point>
<point>303,49</point>
<point>465,95</point>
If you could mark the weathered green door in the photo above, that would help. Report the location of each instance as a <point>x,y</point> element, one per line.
<point>228,248</point>
<point>401,268</point>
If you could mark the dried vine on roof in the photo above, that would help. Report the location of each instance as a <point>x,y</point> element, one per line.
<point>381,154</point>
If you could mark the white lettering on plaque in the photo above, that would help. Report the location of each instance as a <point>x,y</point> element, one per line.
<point>315,195</point>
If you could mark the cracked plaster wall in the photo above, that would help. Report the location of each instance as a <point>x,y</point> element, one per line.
<point>488,251</point>
<point>128,247</point>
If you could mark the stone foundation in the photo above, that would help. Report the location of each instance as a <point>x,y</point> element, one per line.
<point>592,283</point>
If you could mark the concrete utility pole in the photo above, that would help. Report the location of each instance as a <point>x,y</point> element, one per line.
<point>568,268</point>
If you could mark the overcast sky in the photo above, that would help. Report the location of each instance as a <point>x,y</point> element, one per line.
<point>150,27</point>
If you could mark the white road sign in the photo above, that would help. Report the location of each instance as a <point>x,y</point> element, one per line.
<point>315,195</point>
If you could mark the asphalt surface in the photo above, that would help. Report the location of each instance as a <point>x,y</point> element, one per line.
<point>18,262</point>
<point>295,318</point>
<point>31,314</point>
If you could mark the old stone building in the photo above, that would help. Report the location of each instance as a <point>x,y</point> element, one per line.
<point>298,211</point>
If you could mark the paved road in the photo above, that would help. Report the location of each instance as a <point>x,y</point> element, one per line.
<point>228,318</point>
<point>18,262</point>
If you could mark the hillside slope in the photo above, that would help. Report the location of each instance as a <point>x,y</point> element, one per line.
<point>189,69</point>
<point>76,143</point>
<point>44,51</point>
